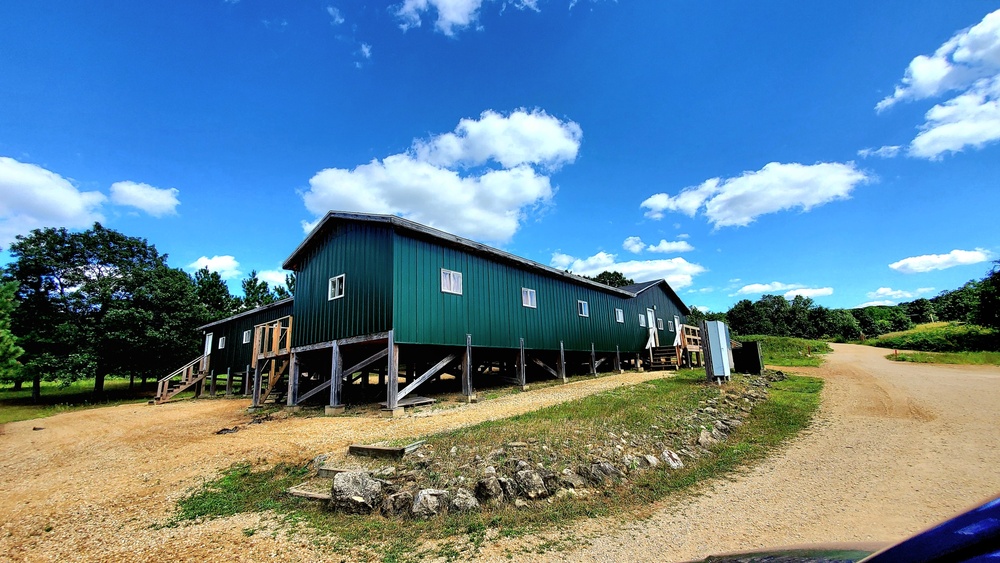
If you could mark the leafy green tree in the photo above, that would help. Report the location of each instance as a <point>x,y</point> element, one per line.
<point>919,311</point>
<point>256,293</point>
<point>960,304</point>
<point>745,318</point>
<point>797,317</point>
<point>614,279</point>
<point>214,295</point>
<point>775,312</point>
<point>10,368</point>
<point>988,312</point>
<point>290,282</point>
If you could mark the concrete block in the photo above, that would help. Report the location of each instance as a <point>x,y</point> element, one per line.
<point>334,410</point>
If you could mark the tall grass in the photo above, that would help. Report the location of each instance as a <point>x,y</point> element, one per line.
<point>787,351</point>
<point>17,405</point>
<point>941,337</point>
<point>960,358</point>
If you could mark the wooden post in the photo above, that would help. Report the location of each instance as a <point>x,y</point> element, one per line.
<point>467,370</point>
<point>211,383</point>
<point>618,360</point>
<point>638,362</point>
<point>336,405</point>
<point>562,361</point>
<point>229,381</point>
<point>257,373</point>
<point>392,383</point>
<point>521,368</point>
<point>593,360</point>
<point>293,381</point>
<point>245,382</point>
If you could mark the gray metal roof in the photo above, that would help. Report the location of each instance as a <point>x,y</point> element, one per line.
<point>250,312</point>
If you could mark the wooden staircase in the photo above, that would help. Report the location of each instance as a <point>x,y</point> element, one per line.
<point>665,357</point>
<point>179,381</point>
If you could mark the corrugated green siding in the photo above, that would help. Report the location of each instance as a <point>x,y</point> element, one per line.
<point>236,354</point>
<point>490,307</point>
<point>363,252</point>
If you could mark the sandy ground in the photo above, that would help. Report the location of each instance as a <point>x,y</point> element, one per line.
<point>896,448</point>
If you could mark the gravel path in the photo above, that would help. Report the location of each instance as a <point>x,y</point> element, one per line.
<point>897,447</point>
<point>90,484</point>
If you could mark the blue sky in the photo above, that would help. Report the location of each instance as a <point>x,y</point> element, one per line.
<point>848,151</point>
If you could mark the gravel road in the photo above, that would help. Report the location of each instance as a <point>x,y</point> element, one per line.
<point>896,447</point>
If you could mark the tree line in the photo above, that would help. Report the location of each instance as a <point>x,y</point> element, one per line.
<point>976,302</point>
<point>98,304</point>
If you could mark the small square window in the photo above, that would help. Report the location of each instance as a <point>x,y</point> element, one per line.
<point>642,321</point>
<point>619,316</point>
<point>246,336</point>
<point>451,282</point>
<point>582,309</point>
<point>336,289</point>
<point>222,342</point>
<point>659,324</point>
<point>528,298</point>
<point>670,326</point>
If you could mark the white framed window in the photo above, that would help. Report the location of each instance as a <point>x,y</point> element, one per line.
<point>222,342</point>
<point>336,287</point>
<point>451,282</point>
<point>670,326</point>
<point>619,316</point>
<point>659,324</point>
<point>582,309</point>
<point>642,321</point>
<point>246,336</point>
<point>528,298</point>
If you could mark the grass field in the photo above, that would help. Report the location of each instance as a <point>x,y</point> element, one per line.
<point>961,358</point>
<point>941,337</point>
<point>17,405</point>
<point>785,351</point>
<point>664,404</point>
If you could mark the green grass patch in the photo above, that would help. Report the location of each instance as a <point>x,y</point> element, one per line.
<point>653,415</point>
<point>961,358</point>
<point>787,351</point>
<point>55,399</point>
<point>941,337</point>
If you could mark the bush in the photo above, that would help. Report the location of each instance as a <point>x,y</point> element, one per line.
<point>952,337</point>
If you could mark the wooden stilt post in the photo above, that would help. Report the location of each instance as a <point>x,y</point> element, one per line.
<point>256,387</point>
<point>638,362</point>
<point>392,408</point>
<point>211,383</point>
<point>467,390</point>
<point>293,380</point>
<point>521,369</point>
<point>229,381</point>
<point>562,361</point>
<point>245,383</point>
<point>593,360</point>
<point>336,405</point>
<point>618,360</point>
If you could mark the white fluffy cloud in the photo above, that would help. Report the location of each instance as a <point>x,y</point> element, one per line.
<point>335,16</point>
<point>875,303</point>
<point>32,197</point>
<point>452,15</point>
<point>809,292</point>
<point>758,288</point>
<point>969,64</point>
<point>930,262</point>
<point>154,201</point>
<point>678,272</point>
<point>478,181</point>
<point>272,277</point>
<point>775,187</point>
<point>634,245</point>
<point>227,266</point>
<point>887,151</point>
<point>889,293</point>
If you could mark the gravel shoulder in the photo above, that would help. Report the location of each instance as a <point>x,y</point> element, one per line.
<point>896,448</point>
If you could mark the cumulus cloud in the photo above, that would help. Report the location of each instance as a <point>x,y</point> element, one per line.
<point>875,303</point>
<point>968,64</point>
<point>809,292</point>
<point>930,262</point>
<point>227,266</point>
<point>678,272</point>
<point>665,246</point>
<point>478,181</point>
<point>757,288</point>
<point>452,15</point>
<point>335,17</point>
<point>272,277</point>
<point>32,197</point>
<point>365,51</point>
<point>775,187</point>
<point>634,245</point>
<point>889,293</point>
<point>888,151</point>
<point>154,201</point>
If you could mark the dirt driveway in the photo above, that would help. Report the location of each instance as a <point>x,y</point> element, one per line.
<point>897,447</point>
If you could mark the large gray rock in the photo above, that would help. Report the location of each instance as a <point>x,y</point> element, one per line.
<point>488,488</point>
<point>571,480</point>
<point>355,492</point>
<point>464,501</point>
<point>706,440</point>
<point>430,502</point>
<point>508,486</point>
<point>608,469</point>
<point>397,504</point>
<point>530,483</point>
<point>651,460</point>
<point>672,460</point>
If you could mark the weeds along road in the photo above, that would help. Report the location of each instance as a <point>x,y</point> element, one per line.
<point>896,448</point>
